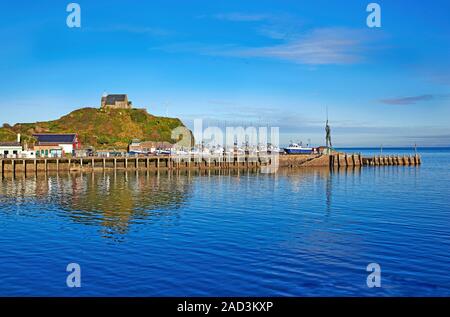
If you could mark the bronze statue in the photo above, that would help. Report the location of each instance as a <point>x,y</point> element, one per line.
<point>328,135</point>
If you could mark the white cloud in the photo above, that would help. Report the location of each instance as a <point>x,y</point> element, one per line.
<point>414,99</point>
<point>326,46</point>
<point>318,47</point>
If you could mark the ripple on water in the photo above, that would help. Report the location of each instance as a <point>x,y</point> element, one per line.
<point>299,233</point>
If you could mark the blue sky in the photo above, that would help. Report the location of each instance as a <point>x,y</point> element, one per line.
<point>277,63</point>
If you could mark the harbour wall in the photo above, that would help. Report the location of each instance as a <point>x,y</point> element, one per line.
<point>213,162</point>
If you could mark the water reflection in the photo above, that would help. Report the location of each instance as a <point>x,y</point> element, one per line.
<point>109,200</point>
<point>113,201</point>
<point>120,199</point>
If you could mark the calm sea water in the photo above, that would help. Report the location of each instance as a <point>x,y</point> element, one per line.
<point>296,233</point>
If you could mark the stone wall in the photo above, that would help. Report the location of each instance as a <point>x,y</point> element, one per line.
<point>312,160</point>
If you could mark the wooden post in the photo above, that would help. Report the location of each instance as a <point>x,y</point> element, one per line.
<point>70,163</point>
<point>126,163</point>
<point>57,164</point>
<point>356,160</point>
<point>81,163</point>
<point>93,163</point>
<point>115,164</point>
<point>104,163</point>
<point>147,163</point>
<point>137,162</point>
<point>1,166</point>
<point>45,163</point>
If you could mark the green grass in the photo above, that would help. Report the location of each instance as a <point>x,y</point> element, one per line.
<point>102,129</point>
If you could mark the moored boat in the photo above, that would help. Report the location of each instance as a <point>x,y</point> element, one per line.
<point>295,148</point>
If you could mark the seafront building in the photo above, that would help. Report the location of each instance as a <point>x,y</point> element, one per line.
<point>118,101</point>
<point>56,145</point>
<point>10,149</point>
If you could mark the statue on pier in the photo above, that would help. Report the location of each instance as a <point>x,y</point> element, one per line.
<point>328,135</point>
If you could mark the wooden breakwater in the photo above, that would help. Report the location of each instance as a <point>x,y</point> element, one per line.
<point>343,160</point>
<point>24,165</point>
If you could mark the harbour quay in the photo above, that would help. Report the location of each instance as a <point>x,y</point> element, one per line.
<point>35,165</point>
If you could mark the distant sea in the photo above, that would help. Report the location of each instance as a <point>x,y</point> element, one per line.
<point>301,232</point>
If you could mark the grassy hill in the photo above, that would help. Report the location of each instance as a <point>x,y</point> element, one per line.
<point>101,128</point>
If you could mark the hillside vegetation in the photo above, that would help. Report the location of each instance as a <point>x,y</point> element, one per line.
<point>101,128</point>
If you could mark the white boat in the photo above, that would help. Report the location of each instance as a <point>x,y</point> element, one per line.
<point>295,148</point>
<point>163,152</point>
<point>218,150</point>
